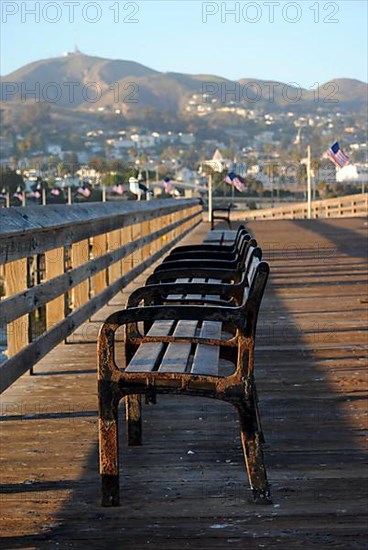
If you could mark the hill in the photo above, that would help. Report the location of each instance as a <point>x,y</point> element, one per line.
<point>87,83</point>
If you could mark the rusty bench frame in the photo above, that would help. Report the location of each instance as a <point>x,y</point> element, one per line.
<point>238,388</point>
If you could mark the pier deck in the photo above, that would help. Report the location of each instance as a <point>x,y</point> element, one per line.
<point>186,487</point>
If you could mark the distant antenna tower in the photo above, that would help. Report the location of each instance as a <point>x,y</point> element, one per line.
<point>76,49</point>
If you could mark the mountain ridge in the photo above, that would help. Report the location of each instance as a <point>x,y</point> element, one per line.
<point>113,80</point>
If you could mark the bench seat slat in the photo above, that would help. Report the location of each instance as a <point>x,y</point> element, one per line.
<point>177,355</point>
<point>206,357</point>
<point>147,355</point>
<point>195,296</point>
<point>177,296</point>
<point>222,236</point>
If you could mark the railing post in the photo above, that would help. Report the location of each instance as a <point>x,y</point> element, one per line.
<point>54,266</point>
<point>16,281</point>
<point>99,248</point>
<point>79,256</point>
<point>114,242</point>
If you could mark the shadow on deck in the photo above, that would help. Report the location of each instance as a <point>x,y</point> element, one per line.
<point>187,486</point>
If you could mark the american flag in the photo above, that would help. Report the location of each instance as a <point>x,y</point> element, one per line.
<point>233,179</point>
<point>84,191</point>
<point>36,194</point>
<point>18,194</point>
<point>168,186</point>
<point>337,155</point>
<point>118,189</point>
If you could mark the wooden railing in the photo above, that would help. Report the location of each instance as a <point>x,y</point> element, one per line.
<point>63,263</point>
<point>349,206</point>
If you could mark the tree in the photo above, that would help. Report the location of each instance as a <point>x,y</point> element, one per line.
<point>10,180</point>
<point>72,162</point>
<point>99,164</point>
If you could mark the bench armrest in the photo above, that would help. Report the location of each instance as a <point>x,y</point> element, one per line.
<point>224,290</point>
<point>172,274</point>
<point>210,263</point>
<point>233,316</point>
<point>201,255</point>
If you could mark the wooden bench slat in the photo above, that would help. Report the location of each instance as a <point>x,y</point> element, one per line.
<point>206,357</point>
<point>177,355</point>
<point>213,296</point>
<point>222,236</point>
<point>195,296</point>
<point>178,296</point>
<point>147,355</point>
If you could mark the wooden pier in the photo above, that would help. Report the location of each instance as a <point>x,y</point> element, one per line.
<point>186,487</point>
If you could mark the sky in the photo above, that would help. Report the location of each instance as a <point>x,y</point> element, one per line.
<point>304,42</point>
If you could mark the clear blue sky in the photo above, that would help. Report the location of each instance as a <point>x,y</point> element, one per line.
<point>326,40</point>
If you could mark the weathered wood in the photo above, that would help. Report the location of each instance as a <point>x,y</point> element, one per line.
<point>14,367</point>
<point>147,356</point>
<point>314,410</point>
<point>136,233</point>
<point>80,256</point>
<point>125,236</point>
<point>146,229</point>
<point>46,228</point>
<point>55,309</point>
<point>16,281</point>
<point>34,297</point>
<point>177,355</point>
<point>348,206</point>
<point>206,358</point>
<point>114,243</point>
<point>98,250</point>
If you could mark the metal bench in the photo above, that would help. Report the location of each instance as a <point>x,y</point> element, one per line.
<point>178,349</point>
<point>221,214</point>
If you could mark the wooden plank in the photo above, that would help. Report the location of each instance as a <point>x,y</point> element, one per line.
<point>14,367</point>
<point>214,237</point>
<point>127,261</point>
<point>79,256</point>
<point>207,357</point>
<point>114,243</point>
<point>178,296</point>
<point>314,416</point>
<point>177,355</point>
<point>54,264</point>
<point>16,281</point>
<point>146,250</point>
<point>136,233</point>
<point>195,297</point>
<point>213,297</point>
<point>25,302</point>
<point>98,249</point>
<point>48,227</point>
<point>147,355</point>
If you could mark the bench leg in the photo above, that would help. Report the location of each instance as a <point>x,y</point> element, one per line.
<point>258,416</point>
<point>134,419</point>
<point>109,452</point>
<point>252,447</point>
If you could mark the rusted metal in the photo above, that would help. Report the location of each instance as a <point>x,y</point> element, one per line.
<point>237,388</point>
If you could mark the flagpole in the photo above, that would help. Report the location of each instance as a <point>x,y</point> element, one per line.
<point>210,198</point>
<point>309,186</point>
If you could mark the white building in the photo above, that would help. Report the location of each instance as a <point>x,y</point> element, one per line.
<point>143,141</point>
<point>54,150</point>
<point>185,174</point>
<point>352,173</point>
